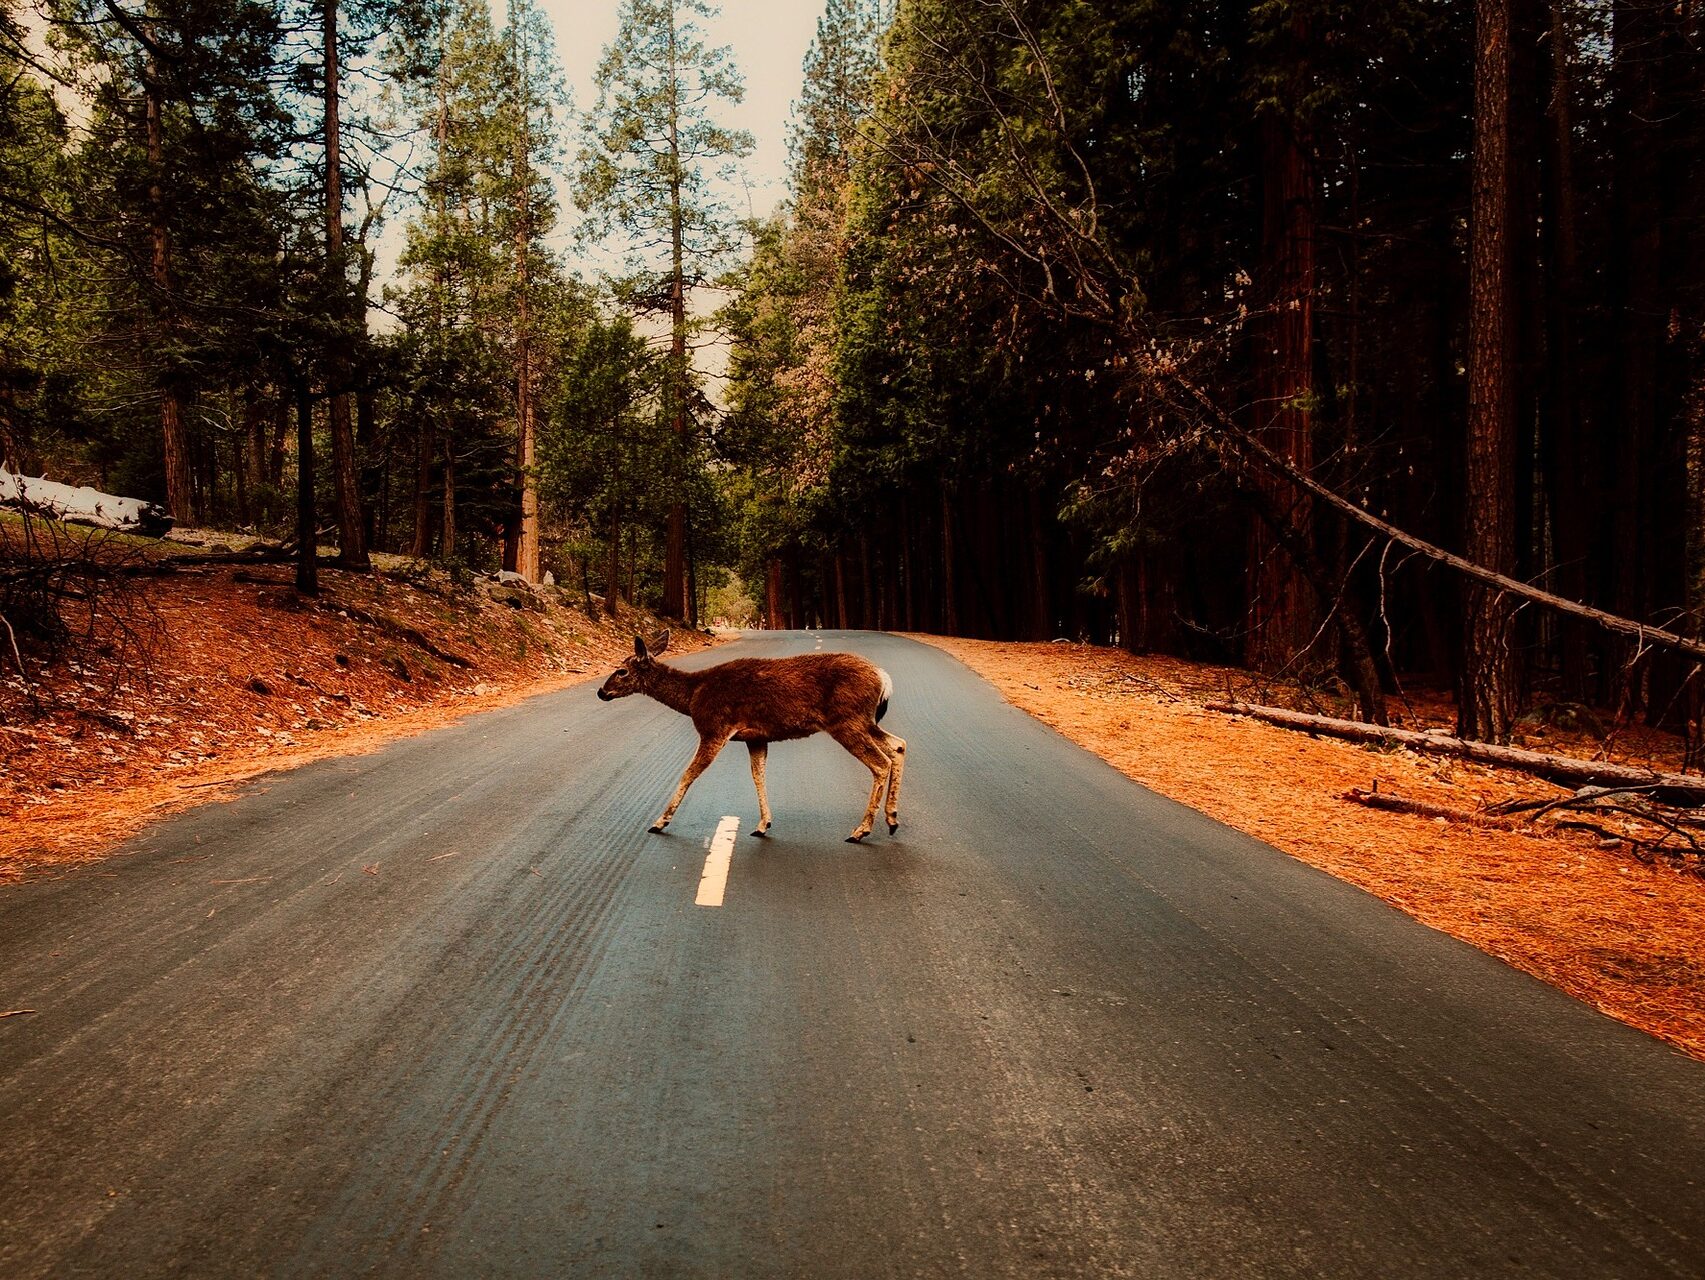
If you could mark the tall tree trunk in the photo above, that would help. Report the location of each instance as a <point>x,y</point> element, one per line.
<point>1282,614</point>
<point>868,616</point>
<point>420,543</point>
<point>675,537</point>
<point>447,521</point>
<point>1572,501</point>
<point>772,594</point>
<point>280,439</point>
<point>307,542</point>
<point>1489,689</point>
<point>949,599</point>
<point>255,455</point>
<point>526,555</point>
<point>179,483</point>
<point>613,569</point>
<point>251,456</point>
<point>843,619</point>
<point>1040,614</point>
<point>346,485</point>
<point>372,470</point>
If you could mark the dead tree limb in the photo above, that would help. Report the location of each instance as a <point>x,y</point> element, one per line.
<point>1245,444</point>
<point>1672,788</point>
<point>1388,803</point>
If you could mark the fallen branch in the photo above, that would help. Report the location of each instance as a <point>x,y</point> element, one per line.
<point>1252,449</point>
<point>1389,803</point>
<point>1535,809</point>
<point>14,1013</point>
<point>1672,788</point>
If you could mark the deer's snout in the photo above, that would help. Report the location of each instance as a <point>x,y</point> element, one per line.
<point>604,695</point>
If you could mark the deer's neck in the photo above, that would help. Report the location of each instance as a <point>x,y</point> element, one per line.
<point>673,688</point>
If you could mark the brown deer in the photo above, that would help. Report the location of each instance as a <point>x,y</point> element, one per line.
<point>763,700</point>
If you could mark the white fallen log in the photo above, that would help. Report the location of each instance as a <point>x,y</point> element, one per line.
<point>75,504</point>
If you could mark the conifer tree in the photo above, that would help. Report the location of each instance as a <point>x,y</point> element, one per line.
<point>649,171</point>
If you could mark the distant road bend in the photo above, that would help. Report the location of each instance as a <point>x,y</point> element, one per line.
<point>449,1010</point>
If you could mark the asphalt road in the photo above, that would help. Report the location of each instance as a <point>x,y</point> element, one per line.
<point>449,1010</point>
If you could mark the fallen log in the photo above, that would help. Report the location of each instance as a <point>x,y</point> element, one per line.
<point>1686,790</point>
<point>75,504</point>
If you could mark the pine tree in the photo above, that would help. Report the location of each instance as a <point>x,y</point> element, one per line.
<point>532,91</point>
<point>648,171</point>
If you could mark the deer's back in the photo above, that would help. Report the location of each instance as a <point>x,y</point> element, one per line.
<point>780,698</point>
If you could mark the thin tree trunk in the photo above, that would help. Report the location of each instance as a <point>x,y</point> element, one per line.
<point>675,544</point>
<point>447,521</point>
<point>867,616</point>
<point>526,557</point>
<point>372,470</point>
<point>613,569</point>
<point>307,549</point>
<point>1573,504</point>
<point>280,439</point>
<point>346,485</point>
<point>1041,613</point>
<point>420,544</point>
<point>251,454</point>
<point>949,601</point>
<point>1488,696</point>
<point>179,484</point>
<point>772,594</point>
<point>254,457</point>
<point>842,618</point>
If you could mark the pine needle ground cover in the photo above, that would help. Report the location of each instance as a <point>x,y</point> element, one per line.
<point>1623,934</point>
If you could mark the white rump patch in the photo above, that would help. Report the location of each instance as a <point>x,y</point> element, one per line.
<point>887,685</point>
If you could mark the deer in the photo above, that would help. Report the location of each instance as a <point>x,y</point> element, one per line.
<point>763,700</point>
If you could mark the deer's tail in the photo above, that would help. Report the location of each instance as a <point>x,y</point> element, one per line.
<point>887,692</point>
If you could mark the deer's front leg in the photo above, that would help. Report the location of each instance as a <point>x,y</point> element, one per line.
<point>708,747</point>
<point>760,754</point>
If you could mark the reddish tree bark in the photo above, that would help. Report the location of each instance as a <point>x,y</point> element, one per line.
<point>1488,696</point>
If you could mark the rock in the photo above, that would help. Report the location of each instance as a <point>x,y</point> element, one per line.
<point>516,598</point>
<point>509,578</point>
<point>549,578</point>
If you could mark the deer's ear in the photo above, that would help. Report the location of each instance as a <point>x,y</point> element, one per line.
<point>661,643</point>
<point>638,647</point>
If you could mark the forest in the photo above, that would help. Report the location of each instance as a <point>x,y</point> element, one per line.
<point>1356,345</point>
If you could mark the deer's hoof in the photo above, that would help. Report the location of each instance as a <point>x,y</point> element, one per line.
<point>893,827</point>
<point>656,828</point>
<point>760,832</point>
<point>855,839</point>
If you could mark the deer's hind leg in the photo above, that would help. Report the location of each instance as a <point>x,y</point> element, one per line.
<point>868,750</point>
<point>760,754</point>
<point>896,748</point>
<point>708,747</point>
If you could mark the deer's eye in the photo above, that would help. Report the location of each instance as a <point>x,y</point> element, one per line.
<point>621,671</point>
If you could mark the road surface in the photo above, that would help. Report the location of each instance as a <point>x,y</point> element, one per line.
<point>448,1010</point>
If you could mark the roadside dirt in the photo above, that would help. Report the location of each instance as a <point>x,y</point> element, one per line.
<point>1624,935</point>
<point>233,675</point>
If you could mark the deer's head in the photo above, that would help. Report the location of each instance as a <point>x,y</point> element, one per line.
<point>632,675</point>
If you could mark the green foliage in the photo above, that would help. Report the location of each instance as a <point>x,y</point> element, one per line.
<point>654,151</point>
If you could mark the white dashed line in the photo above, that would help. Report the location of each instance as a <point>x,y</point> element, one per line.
<point>715,878</point>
